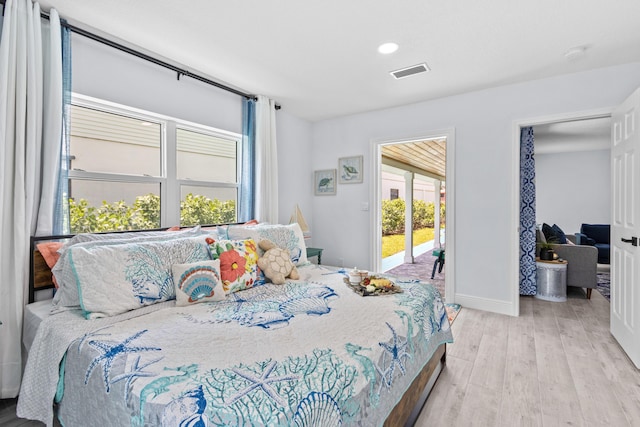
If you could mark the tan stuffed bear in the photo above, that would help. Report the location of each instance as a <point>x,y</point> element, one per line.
<point>276,263</point>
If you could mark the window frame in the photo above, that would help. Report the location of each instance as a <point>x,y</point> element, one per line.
<point>170,185</point>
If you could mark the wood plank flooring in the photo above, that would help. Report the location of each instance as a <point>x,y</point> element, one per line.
<point>556,364</point>
<point>8,416</point>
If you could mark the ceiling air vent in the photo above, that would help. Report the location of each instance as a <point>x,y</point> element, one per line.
<point>410,71</point>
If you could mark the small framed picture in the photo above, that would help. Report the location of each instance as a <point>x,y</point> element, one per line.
<point>324,182</point>
<point>350,170</point>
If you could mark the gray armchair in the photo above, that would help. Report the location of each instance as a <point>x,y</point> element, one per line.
<point>582,263</point>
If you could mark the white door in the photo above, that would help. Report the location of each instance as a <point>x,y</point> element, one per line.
<point>625,227</point>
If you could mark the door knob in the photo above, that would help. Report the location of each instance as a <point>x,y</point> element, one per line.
<point>632,240</point>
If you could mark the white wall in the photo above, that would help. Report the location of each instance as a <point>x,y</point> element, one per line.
<point>295,178</point>
<point>484,193</point>
<point>573,188</point>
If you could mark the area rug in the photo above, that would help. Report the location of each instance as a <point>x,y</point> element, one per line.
<point>452,311</point>
<point>604,285</point>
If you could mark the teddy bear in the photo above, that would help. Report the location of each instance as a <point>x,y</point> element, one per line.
<point>276,263</point>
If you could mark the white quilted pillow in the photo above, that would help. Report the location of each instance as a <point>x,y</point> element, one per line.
<point>288,237</point>
<point>113,279</point>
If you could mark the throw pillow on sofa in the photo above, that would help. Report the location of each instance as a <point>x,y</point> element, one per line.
<point>560,236</point>
<point>548,232</point>
<point>554,234</point>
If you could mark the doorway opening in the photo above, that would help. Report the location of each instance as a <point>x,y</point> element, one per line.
<point>570,152</point>
<point>413,214</point>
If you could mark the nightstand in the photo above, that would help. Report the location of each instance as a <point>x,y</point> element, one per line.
<point>311,252</point>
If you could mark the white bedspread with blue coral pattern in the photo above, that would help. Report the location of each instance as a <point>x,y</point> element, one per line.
<point>307,353</point>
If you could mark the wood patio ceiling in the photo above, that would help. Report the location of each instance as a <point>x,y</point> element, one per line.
<point>427,156</point>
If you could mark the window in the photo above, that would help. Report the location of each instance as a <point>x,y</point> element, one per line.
<point>131,169</point>
<point>393,193</point>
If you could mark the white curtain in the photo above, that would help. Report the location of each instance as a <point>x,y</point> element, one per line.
<point>266,188</point>
<point>30,138</point>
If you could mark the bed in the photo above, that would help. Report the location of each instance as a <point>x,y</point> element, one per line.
<point>309,352</point>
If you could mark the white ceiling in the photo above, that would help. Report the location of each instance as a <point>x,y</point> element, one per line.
<point>318,59</point>
<point>571,136</point>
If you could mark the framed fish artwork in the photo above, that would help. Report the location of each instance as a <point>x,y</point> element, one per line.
<point>324,182</point>
<point>350,170</point>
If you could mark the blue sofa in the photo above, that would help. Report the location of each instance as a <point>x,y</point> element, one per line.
<point>597,235</point>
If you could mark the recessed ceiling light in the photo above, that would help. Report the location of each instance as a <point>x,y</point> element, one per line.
<point>387,48</point>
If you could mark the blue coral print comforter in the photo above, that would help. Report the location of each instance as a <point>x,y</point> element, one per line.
<point>307,353</point>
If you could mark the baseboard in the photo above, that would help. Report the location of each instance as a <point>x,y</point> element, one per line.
<point>485,304</point>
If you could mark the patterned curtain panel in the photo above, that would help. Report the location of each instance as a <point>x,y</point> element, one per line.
<point>527,213</point>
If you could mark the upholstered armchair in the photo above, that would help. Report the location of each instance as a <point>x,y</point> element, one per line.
<point>582,262</point>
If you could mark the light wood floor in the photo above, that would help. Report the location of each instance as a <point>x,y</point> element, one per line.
<point>555,364</point>
<point>8,415</point>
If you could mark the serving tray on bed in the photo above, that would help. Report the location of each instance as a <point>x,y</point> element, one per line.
<point>361,288</point>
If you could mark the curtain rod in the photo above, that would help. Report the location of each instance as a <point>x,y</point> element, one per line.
<point>178,70</point>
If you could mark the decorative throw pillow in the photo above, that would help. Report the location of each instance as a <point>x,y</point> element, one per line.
<point>49,251</point>
<point>197,282</point>
<point>112,279</point>
<point>560,236</point>
<point>287,237</point>
<point>548,233</point>
<point>238,263</point>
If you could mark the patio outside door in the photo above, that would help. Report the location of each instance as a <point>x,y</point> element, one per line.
<point>625,230</point>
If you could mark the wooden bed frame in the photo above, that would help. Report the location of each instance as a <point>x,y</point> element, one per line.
<point>407,410</point>
<point>404,413</point>
<point>40,277</point>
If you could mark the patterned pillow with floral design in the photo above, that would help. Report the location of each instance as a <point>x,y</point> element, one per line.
<point>238,263</point>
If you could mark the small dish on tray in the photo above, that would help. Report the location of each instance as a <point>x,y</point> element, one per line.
<point>373,286</point>
<point>357,276</point>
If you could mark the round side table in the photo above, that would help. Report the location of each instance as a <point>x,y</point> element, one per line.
<point>551,280</point>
